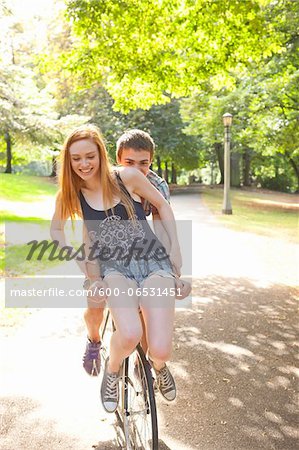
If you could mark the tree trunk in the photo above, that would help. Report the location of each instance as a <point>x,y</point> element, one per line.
<point>235,169</point>
<point>246,167</point>
<point>220,158</point>
<point>159,166</point>
<point>173,174</point>
<point>276,169</point>
<point>212,173</point>
<point>296,170</point>
<point>8,152</point>
<point>54,167</point>
<point>166,172</point>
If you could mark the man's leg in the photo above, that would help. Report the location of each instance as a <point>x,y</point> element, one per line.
<point>93,317</point>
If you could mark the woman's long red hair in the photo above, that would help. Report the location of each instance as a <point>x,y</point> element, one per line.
<point>70,183</point>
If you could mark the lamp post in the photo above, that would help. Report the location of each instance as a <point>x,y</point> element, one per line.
<point>227,122</point>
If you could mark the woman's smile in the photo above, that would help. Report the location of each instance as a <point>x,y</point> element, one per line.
<point>86,171</point>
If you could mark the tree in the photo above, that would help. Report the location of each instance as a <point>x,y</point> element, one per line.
<point>29,122</point>
<point>265,105</point>
<point>163,122</point>
<point>27,117</point>
<point>243,55</point>
<point>145,51</point>
<point>274,107</point>
<point>166,126</point>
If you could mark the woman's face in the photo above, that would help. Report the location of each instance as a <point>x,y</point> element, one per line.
<point>85,159</point>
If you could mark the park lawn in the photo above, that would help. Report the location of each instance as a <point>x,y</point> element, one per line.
<point>256,212</point>
<point>16,263</point>
<point>26,188</point>
<point>25,199</point>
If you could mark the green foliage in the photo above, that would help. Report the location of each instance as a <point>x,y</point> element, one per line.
<point>165,125</point>
<point>143,51</point>
<point>265,105</point>
<point>28,115</point>
<point>163,122</point>
<point>143,58</point>
<point>234,56</point>
<point>280,182</point>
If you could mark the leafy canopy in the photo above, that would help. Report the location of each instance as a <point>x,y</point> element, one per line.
<point>145,50</point>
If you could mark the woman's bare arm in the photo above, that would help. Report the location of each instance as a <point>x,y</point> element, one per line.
<point>57,234</point>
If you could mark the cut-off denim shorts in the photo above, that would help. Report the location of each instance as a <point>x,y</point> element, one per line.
<point>138,270</point>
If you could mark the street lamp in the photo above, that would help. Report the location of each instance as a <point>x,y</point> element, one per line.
<point>227,122</point>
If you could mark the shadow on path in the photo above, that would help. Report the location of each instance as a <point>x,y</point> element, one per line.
<point>235,364</point>
<point>23,427</point>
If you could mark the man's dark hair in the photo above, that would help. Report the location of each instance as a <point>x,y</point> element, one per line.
<point>137,140</point>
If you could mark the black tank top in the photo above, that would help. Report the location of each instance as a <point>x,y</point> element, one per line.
<point>113,230</point>
<point>90,213</point>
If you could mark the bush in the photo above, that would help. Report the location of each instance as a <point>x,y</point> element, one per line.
<point>38,168</point>
<point>278,183</point>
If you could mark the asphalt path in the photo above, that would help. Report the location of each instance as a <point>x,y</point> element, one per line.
<point>235,355</point>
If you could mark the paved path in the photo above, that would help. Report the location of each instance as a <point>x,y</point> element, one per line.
<point>235,355</point>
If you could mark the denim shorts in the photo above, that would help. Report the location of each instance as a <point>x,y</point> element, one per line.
<point>140,270</point>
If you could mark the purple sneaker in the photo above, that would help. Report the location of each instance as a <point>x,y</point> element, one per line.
<point>92,358</point>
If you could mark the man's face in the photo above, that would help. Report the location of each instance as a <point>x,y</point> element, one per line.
<point>140,159</point>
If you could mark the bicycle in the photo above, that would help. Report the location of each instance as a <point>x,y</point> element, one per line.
<point>136,414</point>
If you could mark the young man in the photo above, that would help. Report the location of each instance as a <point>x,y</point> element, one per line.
<point>135,148</point>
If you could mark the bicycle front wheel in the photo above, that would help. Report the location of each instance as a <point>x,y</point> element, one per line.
<point>139,404</point>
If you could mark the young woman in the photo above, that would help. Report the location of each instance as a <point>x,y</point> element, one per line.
<point>128,253</point>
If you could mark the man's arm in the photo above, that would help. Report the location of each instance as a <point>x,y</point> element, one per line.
<point>183,286</point>
<point>159,229</point>
<point>161,232</point>
<point>138,184</point>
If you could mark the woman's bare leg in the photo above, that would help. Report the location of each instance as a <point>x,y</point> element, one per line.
<point>143,341</point>
<point>158,313</point>
<point>125,312</point>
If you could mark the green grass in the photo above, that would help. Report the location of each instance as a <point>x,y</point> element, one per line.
<point>26,188</point>
<point>26,199</point>
<point>8,216</point>
<point>15,263</point>
<point>256,213</point>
